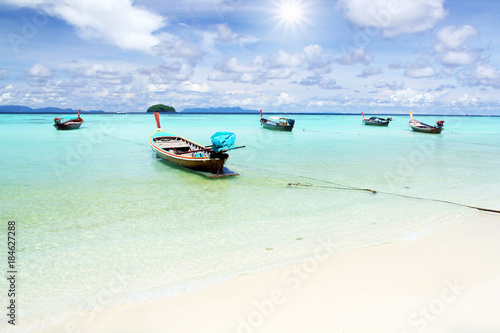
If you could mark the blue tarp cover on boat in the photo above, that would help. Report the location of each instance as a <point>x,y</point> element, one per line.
<point>222,140</point>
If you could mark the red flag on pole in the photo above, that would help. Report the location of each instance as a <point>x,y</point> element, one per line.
<point>157,118</point>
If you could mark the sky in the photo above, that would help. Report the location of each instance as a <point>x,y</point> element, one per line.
<point>376,56</point>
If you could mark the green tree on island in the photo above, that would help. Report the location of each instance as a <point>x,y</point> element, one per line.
<point>161,108</point>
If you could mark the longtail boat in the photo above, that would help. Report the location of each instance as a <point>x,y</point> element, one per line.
<point>418,126</point>
<point>75,123</point>
<point>277,123</point>
<point>376,121</point>
<point>207,160</point>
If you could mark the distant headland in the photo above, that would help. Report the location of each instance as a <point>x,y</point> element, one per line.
<point>52,110</point>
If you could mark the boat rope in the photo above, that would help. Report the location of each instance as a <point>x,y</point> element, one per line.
<point>353,188</point>
<point>475,143</point>
<point>451,132</point>
<point>124,140</point>
<point>443,201</point>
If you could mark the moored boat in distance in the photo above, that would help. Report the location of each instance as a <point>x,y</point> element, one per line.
<point>376,121</point>
<point>277,123</point>
<point>207,160</point>
<point>75,123</point>
<point>418,126</point>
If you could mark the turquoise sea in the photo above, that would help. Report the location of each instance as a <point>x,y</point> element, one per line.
<point>101,222</point>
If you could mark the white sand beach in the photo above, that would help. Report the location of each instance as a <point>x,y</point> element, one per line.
<point>445,281</point>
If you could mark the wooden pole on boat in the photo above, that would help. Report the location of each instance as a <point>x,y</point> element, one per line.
<point>157,118</point>
<point>79,113</point>
<point>261,113</point>
<point>411,115</point>
<point>363,115</point>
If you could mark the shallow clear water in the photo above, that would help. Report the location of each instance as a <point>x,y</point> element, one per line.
<point>102,221</point>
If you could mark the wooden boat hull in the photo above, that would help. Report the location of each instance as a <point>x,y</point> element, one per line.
<point>375,121</point>
<point>211,162</point>
<point>70,126</point>
<point>275,126</point>
<point>431,130</point>
<point>212,165</point>
<point>371,123</point>
<point>421,127</point>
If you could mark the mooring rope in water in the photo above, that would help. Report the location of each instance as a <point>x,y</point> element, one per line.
<point>443,201</point>
<point>311,130</point>
<point>475,143</point>
<point>124,140</point>
<point>338,187</point>
<point>353,188</point>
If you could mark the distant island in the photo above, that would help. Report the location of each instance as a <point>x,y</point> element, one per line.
<point>232,110</point>
<point>161,108</point>
<point>51,110</point>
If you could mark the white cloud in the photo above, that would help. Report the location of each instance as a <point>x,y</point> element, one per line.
<point>370,71</point>
<point>232,70</point>
<point>4,74</point>
<point>419,69</point>
<point>165,73</point>
<point>5,97</point>
<point>420,72</point>
<point>283,98</point>
<point>118,22</point>
<point>453,58</point>
<point>39,70</point>
<point>356,56</point>
<point>451,38</point>
<point>482,75</point>
<point>105,74</point>
<point>318,80</point>
<point>155,88</point>
<point>233,66</point>
<point>315,61</point>
<point>467,100</point>
<point>39,74</point>
<point>282,66</point>
<point>225,35</point>
<point>189,86</point>
<point>101,93</point>
<point>395,65</point>
<point>394,18</point>
<point>288,60</point>
<point>486,71</point>
<point>410,97</point>
<point>179,49</point>
<point>382,83</point>
<point>277,73</point>
<point>451,48</point>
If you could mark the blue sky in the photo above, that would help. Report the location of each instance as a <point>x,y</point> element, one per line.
<point>277,55</point>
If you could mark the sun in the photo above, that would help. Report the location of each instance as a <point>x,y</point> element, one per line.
<point>291,13</point>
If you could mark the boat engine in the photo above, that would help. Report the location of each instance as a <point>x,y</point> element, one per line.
<point>439,123</point>
<point>291,121</point>
<point>57,120</point>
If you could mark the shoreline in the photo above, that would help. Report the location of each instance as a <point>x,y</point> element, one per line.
<point>446,280</point>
